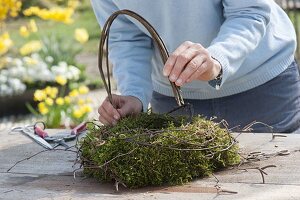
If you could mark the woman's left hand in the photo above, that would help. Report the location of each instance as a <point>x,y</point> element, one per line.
<point>189,62</point>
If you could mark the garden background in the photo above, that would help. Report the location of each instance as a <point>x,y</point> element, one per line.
<point>48,61</point>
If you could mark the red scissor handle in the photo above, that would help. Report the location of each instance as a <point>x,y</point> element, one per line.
<point>40,131</point>
<point>79,128</point>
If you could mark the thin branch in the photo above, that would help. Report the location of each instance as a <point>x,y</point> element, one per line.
<point>45,150</point>
<point>26,159</point>
<point>219,189</point>
<point>118,156</point>
<point>261,170</point>
<point>277,135</point>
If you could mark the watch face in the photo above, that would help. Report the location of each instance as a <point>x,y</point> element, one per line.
<point>216,82</point>
<point>219,75</point>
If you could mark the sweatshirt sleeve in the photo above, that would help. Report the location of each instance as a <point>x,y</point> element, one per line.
<point>244,26</point>
<point>130,51</point>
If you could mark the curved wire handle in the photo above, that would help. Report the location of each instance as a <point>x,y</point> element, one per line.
<point>157,39</point>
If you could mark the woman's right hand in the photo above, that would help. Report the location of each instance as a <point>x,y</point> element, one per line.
<point>124,106</point>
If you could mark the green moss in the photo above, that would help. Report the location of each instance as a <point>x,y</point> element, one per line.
<point>154,149</point>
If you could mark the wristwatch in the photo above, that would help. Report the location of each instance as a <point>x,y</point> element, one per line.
<point>216,82</point>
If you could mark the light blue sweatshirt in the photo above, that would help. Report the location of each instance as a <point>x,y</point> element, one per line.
<point>253,40</point>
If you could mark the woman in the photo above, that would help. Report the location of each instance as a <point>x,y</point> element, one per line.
<point>233,59</point>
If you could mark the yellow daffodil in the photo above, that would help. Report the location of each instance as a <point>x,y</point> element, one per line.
<point>83,89</point>
<point>49,101</point>
<point>74,93</point>
<point>9,7</point>
<point>81,101</point>
<point>48,90</point>
<point>81,35</point>
<point>61,80</point>
<point>44,111</point>
<point>56,14</point>
<point>72,107</point>
<point>39,95</point>
<point>32,26</point>
<point>86,108</point>
<point>67,100</point>
<point>5,43</point>
<point>53,92</point>
<point>43,108</point>
<point>3,48</point>
<point>24,31</point>
<point>60,101</point>
<point>30,47</point>
<point>6,38</point>
<point>31,11</point>
<point>77,113</point>
<point>73,4</point>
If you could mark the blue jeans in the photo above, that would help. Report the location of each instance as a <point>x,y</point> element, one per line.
<point>275,103</point>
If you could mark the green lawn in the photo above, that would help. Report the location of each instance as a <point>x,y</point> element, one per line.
<point>83,18</point>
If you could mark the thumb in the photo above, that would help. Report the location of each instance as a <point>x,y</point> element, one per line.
<point>125,110</point>
<point>129,106</point>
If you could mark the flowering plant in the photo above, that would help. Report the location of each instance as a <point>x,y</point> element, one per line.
<point>60,49</point>
<point>10,86</point>
<point>9,8</point>
<point>18,73</point>
<point>59,14</point>
<point>58,108</point>
<point>40,62</point>
<point>5,43</point>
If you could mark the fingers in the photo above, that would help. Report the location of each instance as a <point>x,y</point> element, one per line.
<point>198,73</point>
<point>103,120</point>
<point>131,106</point>
<point>191,61</point>
<point>105,117</point>
<point>185,60</point>
<point>207,71</point>
<point>125,110</point>
<point>182,60</point>
<point>108,114</point>
<point>193,67</point>
<point>125,105</point>
<point>173,57</point>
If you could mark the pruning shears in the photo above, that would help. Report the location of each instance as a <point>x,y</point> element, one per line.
<point>59,138</point>
<point>29,132</point>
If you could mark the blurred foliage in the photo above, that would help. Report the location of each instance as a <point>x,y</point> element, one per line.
<point>60,49</point>
<point>58,107</point>
<point>46,3</point>
<point>9,8</point>
<point>51,34</point>
<point>83,18</point>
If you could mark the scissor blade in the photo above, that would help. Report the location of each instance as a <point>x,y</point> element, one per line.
<point>38,139</point>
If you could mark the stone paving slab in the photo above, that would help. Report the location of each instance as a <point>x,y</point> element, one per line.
<point>50,174</point>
